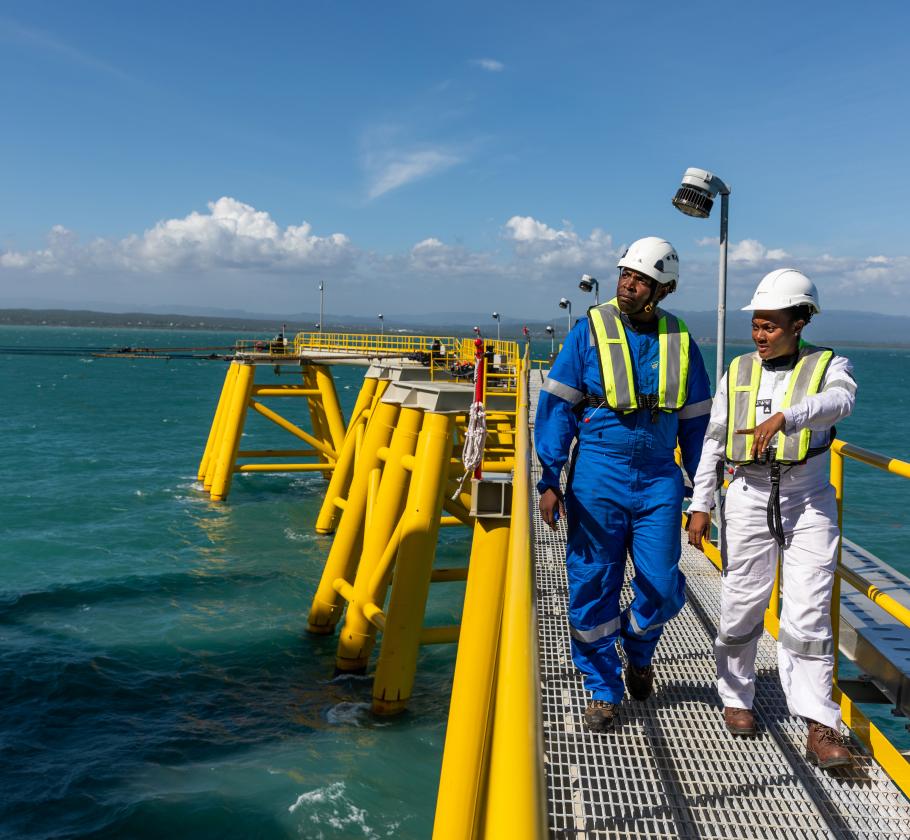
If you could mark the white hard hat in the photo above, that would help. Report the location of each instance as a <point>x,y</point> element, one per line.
<point>655,258</point>
<point>784,288</point>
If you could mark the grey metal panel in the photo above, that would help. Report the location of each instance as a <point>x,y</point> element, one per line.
<point>671,769</point>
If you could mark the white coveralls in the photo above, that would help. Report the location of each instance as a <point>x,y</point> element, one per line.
<point>809,514</point>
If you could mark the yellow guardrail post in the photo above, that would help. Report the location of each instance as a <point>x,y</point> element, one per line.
<point>515,804</point>
<point>214,432</point>
<point>837,479</point>
<point>357,636</point>
<point>414,564</point>
<point>347,545</point>
<point>463,776</point>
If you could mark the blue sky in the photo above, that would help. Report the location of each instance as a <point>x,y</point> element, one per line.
<point>429,157</point>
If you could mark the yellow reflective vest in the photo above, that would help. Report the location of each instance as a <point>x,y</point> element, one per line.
<point>616,360</point>
<point>743,379</point>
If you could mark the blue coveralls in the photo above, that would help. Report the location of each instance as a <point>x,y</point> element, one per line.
<point>624,492</point>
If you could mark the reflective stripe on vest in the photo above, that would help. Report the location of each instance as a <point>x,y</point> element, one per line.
<point>615,358</point>
<point>743,379</point>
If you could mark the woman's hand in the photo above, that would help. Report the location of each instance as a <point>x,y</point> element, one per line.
<point>699,523</point>
<point>551,507</point>
<point>764,433</point>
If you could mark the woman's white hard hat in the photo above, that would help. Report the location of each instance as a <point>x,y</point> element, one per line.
<point>783,288</point>
<point>655,258</point>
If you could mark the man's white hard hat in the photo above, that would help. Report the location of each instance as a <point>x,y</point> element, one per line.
<point>783,288</point>
<point>655,258</point>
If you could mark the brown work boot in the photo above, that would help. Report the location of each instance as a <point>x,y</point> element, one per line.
<point>600,716</point>
<point>640,681</point>
<point>739,721</point>
<point>825,747</point>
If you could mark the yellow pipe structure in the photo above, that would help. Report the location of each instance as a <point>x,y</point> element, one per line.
<point>235,417</point>
<point>340,482</point>
<point>381,387</point>
<point>413,567</point>
<point>463,775</point>
<point>324,449</point>
<point>516,805</point>
<point>317,414</point>
<point>357,636</point>
<point>279,468</point>
<point>331,409</point>
<point>363,402</point>
<point>284,391</point>
<point>440,635</point>
<point>348,543</point>
<point>836,472</point>
<point>219,431</point>
<point>223,398</point>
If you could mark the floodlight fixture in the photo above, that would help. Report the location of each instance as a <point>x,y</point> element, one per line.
<point>497,317</point>
<point>321,306</point>
<point>589,283</point>
<point>695,197</point>
<point>381,323</point>
<point>565,303</point>
<point>552,333</point>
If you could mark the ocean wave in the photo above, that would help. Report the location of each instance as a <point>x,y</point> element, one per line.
<point>329,807</point>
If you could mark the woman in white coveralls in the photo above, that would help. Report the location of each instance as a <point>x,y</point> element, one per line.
<point>774,425</point>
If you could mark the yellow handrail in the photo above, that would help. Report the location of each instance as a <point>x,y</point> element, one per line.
<point>515,798</point>
<point>491,783</point>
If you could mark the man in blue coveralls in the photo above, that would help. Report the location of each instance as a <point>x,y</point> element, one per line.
<point>628,383</point>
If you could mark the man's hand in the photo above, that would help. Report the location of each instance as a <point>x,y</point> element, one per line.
<point>699,523</point>
<point>551,507</point>
<point>764,433</point>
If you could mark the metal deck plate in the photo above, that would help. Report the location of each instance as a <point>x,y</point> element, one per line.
<point>670,769</point>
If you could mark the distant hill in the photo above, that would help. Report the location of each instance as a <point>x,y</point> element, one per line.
<point>835,328</point>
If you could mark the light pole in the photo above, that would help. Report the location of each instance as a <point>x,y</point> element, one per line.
<point>496,317</point>
<point>321,304</point>
<point>695,197</point>
<point>565,303</point>
<point>552,334</point>
<point>587,283</point>
<point>381,324</point>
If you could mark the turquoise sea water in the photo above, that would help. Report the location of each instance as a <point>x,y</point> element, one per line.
<point>155,673</point>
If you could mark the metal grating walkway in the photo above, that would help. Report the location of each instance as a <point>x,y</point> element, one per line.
<point>671,769</point>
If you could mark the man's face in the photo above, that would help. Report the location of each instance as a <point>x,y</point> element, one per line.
<point>633,291</point>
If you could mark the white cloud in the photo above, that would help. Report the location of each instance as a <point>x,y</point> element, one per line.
<point>233,254</point>
<point>232,235</point>
<point>560,248</point>
<point>400,168</point>
<point>490,64</point>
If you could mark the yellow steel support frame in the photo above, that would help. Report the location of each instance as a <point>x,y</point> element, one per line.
<point>234,419</point>
<point>464,761</point>
<point>219,459</point>
<point>358,633</point>
<point>413,567</point>
<point>340,482</point>
<point>891,759</point>
<point>348,543</point>
<point>214,433</point>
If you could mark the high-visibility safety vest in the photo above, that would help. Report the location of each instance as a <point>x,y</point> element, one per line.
<point>616,360</point>
<point>743,379</point>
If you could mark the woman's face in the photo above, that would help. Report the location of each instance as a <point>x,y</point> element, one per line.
<point>775,333</point>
